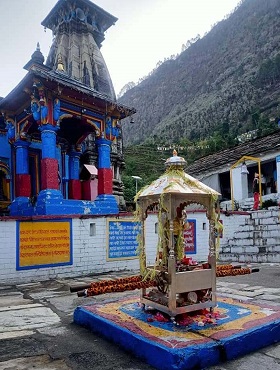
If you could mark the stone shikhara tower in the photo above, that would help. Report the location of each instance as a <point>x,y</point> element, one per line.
<point>78,28</point>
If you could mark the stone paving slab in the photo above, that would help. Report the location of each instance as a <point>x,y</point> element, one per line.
<point>273,290</point>
<point>28,285</point>
<point>225,283</point>
<point>237,297</point>
<point>38,363</point>
<point>269,297</point>
<point>244,294</point>
<point>5,287</point>
<point>46,294</point>
<point>20,307</point>
<point>27,317</point>
<point>274,352</point>
<point>253,362</point>
<point>13,300</point>
<point>252,288</point>
<point>16,334</point>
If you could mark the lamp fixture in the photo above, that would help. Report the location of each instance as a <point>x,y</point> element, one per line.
<point>244,169</point>
<point>136,178</point>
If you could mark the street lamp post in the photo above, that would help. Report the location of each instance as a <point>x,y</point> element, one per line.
<point>137,178</point>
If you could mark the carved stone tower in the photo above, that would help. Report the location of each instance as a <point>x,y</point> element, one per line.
<point>78,28</point>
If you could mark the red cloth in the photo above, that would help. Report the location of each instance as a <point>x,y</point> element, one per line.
<point>256,200</point>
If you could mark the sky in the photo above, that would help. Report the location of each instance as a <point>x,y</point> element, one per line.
<point>147,31</point>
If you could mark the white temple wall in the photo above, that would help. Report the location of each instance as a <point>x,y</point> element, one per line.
<point>90,246</point>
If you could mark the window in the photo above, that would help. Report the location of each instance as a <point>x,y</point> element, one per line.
<point>156,228</point>
<point>92,229</point>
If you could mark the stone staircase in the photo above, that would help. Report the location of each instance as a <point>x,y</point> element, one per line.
<point>246,204</point>
<point>258,240</point>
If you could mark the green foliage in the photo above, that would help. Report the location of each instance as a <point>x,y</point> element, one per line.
<point>269,203</point>
<point>144,161</point>
<point>221,86</point>
<point>269,72</point>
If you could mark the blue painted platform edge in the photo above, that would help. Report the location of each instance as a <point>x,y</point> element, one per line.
<point>249,341</point>
<point>162,358</point>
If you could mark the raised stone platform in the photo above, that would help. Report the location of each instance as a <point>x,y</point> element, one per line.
<point>199,341</point>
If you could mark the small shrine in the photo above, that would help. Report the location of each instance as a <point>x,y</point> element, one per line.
<point>182,285</point>
<point>61,121</point>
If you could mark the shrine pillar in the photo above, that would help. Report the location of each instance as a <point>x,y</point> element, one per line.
<point>75,186</point>
<point>50,198</point>
<point>22,206</point>
<point>105,198</point>
<point>105,175</point>
<point>23,180</point>
<point>49,163</point>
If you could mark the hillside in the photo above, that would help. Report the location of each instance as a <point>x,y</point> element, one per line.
<point>228,81</point>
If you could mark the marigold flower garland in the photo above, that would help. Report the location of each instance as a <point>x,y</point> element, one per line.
<point>137,281</point>
<point>119,285</point>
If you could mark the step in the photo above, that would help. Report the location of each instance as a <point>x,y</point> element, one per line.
<point>250,257</point>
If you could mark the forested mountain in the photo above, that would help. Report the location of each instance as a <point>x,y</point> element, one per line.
<point>224,84</point>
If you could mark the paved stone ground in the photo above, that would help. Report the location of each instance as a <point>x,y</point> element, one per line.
<point>37,332</point>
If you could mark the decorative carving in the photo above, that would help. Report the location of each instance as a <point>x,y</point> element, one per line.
<point>44,110</point>
<point>112,128</point>
<point>60,65</point>
<point>10,126</point>
<point>56,109</point>
<point>35,109</point>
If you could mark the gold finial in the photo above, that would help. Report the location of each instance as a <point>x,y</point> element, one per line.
<point>60,66</point>
<point>174,153</point>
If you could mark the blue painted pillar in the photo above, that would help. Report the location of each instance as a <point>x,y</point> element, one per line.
<point>105,198</point>
<point>105,176</point>
<point>49,163</point>
<point>22,206</point>
<point>23,182</point>
<point>75,186</point>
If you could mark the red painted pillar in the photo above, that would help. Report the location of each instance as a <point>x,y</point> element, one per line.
<point>75,186</point>
<point>105,175</point>
<point>23,180</point>
<point>49,163</point>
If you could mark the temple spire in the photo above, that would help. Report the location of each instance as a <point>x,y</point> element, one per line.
<point>78,28</point>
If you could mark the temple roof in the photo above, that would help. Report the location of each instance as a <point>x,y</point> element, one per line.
<point>172,183</point>
<point>19,97</point>
<point>176,181</point>
<point>222,160</point>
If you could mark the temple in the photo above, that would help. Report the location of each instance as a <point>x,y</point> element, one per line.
<point>60,127</point>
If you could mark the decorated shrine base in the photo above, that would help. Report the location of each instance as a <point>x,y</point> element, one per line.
<point>201,340</point>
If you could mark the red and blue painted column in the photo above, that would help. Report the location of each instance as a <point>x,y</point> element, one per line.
<point>21,205</point>
<point>75,188</point>
<point>49,162</point>
<point>105,176</point>
<point>50,194</point>
<point>23,182</point>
